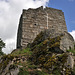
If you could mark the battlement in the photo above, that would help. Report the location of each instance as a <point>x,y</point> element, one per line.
<point>33,21</point>
<point>41,8</point>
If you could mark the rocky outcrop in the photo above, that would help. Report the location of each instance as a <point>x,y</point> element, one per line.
<point>66,40</point>
<point>49,45</point>
<point>43,56</point>
<point>70,61</point>
<point>8,64</point>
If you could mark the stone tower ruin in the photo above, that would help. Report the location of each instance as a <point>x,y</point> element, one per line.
<point>33,21</point>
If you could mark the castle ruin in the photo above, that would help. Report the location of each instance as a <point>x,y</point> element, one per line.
<point>33,21</point>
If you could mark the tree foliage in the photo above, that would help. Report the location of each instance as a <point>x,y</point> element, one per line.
<point>2,45</point>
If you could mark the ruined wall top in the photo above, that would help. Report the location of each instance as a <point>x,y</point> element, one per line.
<point>43,9</point>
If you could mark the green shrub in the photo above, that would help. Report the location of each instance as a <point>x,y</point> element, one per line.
<point>2,45</point>
<point>5,61</point>
<point>73,72</point>
<point>22,71</point>
<point>56,72</point>
<point>71,50</point>
<point>22,51</point>
<point>32,66</point>
<point>40,73</point>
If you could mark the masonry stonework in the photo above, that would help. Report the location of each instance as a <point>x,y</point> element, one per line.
<point>33,21</point>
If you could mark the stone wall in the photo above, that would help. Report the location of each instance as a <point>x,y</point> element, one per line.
<point>33,21</point>
<point>67,42</point>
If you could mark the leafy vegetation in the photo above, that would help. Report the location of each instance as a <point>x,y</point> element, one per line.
<point>23,72</point>
<point>71,50</point>
<point>73,72</point>
<point>22,52</point>
<point>5,61</point>
<point>2,45</point>
<point>56,72</point>
<point>40,73</point>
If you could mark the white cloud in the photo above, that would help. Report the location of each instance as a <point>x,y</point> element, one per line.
<point>10,45</point>
<point>10,11</point>
<point>73,34</point>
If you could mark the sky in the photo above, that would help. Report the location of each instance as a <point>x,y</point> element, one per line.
<point>10,12</point>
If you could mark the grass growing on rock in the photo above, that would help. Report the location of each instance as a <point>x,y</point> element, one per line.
<point>22,52</point>
<point>23,71</point>
<point>73,71</point>
<point>5,59</point>
<point>71,50</point>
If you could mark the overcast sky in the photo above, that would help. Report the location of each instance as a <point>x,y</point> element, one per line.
<point>10,11</point>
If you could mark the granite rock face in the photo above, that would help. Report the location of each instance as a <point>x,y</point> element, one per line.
<point>33,21</point>
<point>70,61</point>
